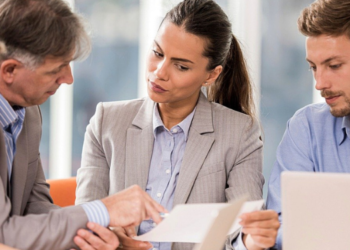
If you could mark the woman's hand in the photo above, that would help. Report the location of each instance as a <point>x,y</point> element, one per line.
<point>127,242</point>
<point>260,229</point>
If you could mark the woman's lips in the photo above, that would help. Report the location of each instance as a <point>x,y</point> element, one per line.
<point>156,88</point>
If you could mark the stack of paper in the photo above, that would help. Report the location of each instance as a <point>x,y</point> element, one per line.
<point>191,222</point>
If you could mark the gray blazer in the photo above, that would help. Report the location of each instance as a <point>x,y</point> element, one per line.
<point>30,196</point>
<point>222,159</point>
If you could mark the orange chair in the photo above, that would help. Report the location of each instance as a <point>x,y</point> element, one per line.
<point>3,247</point>
<point>63,191</point>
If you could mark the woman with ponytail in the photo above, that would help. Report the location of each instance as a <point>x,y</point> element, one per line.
<point>177,144</point>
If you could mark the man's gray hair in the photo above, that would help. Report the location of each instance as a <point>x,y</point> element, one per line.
<point>3,50</point>
<point>30,30</point>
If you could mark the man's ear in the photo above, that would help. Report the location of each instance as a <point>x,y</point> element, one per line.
<point>213,75</point>
<point>8,69</point>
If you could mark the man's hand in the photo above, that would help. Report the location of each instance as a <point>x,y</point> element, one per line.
<point>260,229</point>
<point>106,239</point>
<point>131,206</point>
<point>127,243</point>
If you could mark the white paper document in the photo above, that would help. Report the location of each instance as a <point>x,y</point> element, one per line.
<point>190,222</point>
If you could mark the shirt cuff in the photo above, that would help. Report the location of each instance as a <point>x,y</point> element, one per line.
<point>97,212</point>
<point>238,243</point>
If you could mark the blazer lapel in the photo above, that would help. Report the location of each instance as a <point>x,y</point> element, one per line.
<point>3,161</point>
<point>19,170</point>
<point>194,157</point>
<point>139,146</point>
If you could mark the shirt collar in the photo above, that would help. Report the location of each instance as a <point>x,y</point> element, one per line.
<point>8,115</point>
<point>184,125</point>
<point>345,128</point>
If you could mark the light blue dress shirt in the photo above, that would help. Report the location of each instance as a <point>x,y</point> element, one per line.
<point>97,212</point>
<point>314,141</point>
<point>11,121</point>
<point>168,150</point>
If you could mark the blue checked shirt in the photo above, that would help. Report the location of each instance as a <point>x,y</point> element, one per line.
<point>11,121</point>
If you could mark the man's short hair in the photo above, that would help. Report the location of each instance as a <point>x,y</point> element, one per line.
<point>30,30</point>
<point>326,17</point>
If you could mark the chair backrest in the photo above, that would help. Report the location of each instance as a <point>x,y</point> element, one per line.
<point>63,191</point>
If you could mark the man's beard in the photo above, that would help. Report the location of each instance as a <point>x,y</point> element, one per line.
<point>338,112</point>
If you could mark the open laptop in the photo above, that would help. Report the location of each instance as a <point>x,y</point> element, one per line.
<point>315,211</point>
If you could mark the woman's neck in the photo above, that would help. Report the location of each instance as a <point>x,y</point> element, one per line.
<point>172,114</point>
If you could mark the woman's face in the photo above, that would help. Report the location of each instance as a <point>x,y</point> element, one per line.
<point>176,68</point>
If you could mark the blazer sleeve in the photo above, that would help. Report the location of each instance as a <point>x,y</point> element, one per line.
<point>54,230</point>
<point>93,175</point>
<point>245,177</point>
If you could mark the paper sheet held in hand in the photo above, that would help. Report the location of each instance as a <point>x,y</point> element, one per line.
<point>190,222</point>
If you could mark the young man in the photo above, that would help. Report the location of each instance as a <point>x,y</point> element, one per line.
<point>38,40</point>
<point>317,136</point>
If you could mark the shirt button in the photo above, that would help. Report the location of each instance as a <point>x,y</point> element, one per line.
<point>159,194</point>
<point>175,130</point>
<point>154,248</point>
<point>154,224</point>
<point>167,171</point>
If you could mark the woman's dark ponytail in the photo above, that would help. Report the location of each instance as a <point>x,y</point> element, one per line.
<point>233,88</point>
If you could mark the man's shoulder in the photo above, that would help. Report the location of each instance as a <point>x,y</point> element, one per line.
<point>314,119</point>
<point>317,112</point>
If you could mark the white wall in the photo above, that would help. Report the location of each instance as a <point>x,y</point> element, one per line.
<point>61,113</point>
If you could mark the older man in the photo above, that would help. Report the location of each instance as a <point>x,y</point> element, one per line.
<point>38,40</point>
